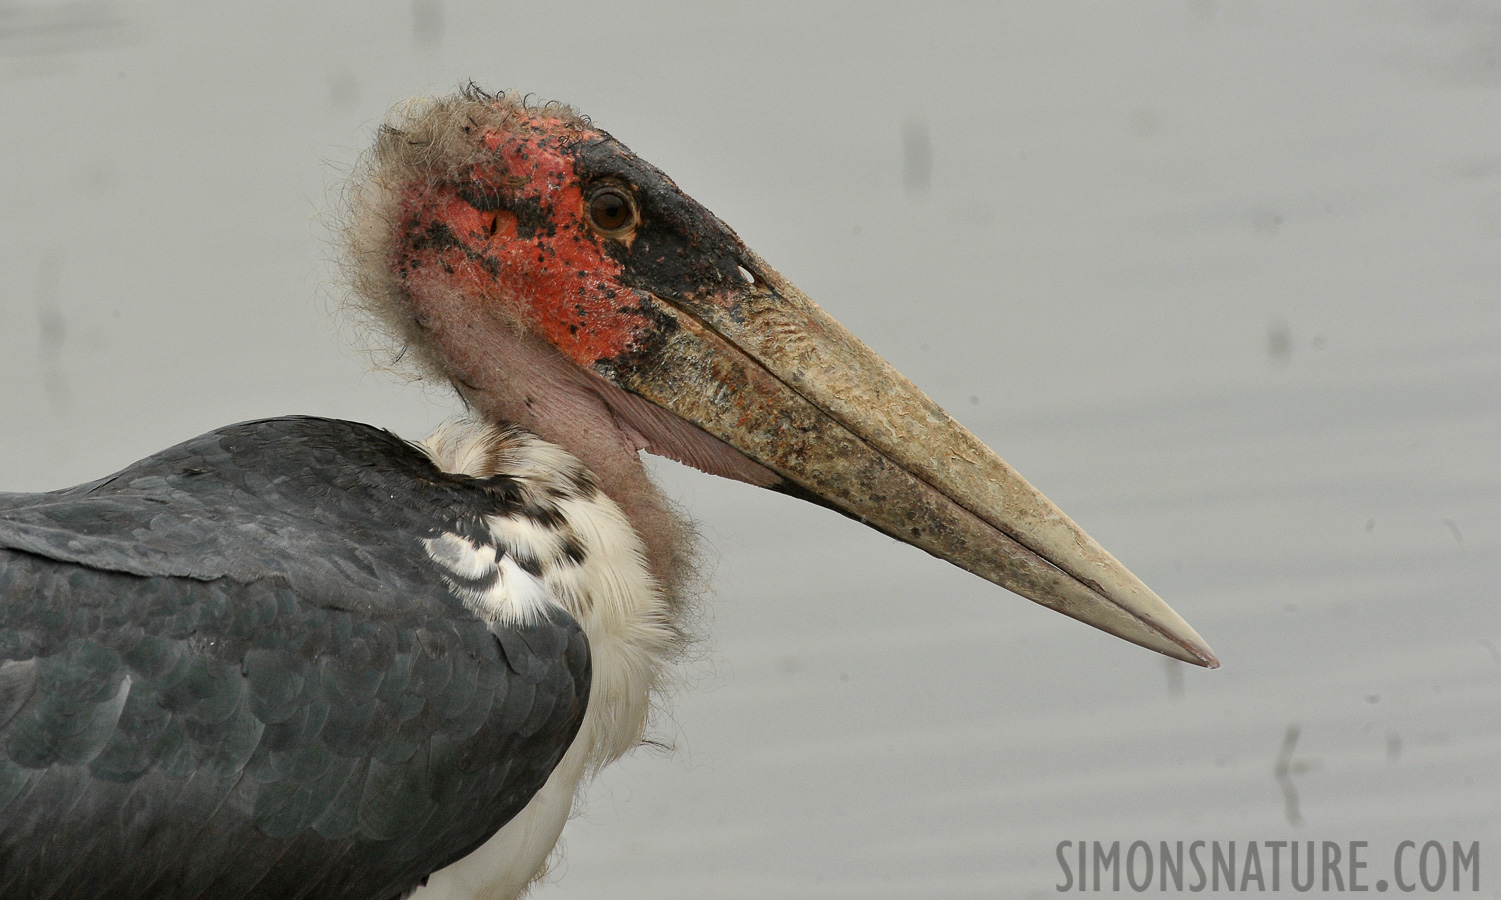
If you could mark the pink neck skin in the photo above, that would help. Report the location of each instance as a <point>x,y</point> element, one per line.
<point>511,376</point>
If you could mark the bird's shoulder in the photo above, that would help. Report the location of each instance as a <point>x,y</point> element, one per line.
<point>297,497</point>
<point>246,645</point>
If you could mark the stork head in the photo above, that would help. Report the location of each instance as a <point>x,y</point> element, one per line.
<point>562,283</point>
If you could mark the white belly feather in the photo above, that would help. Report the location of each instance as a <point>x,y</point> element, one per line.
<point>608,589</point>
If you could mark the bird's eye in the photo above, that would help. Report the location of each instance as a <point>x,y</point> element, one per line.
<point>612,212</point>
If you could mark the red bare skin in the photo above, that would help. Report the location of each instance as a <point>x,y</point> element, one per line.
<point>520,311</point>
<point>557,279</point>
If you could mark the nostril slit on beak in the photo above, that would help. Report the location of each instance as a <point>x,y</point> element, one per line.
<point>748,276</point>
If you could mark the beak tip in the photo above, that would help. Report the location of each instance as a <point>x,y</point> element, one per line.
<point>1206,657</point>
<point>1191,648</point>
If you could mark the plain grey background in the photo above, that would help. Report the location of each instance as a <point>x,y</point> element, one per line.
<point>1220,278</point>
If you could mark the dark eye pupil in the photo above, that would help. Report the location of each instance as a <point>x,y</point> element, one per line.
<point>610,210</point>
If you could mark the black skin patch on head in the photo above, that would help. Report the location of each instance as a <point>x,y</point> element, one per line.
<point>438,236</point>
<point>637,358</point>
<point>481,195</point>
<point>679,249</point>
<point>532,217</point>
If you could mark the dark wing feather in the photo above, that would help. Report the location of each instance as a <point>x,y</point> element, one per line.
<point>231,671</point>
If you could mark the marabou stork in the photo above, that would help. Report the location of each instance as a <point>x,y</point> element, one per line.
<point>305,658</point>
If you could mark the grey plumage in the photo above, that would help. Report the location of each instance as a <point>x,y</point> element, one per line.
<point>230,671</point>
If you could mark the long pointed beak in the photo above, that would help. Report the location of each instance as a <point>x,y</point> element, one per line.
<point>769,372</point>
